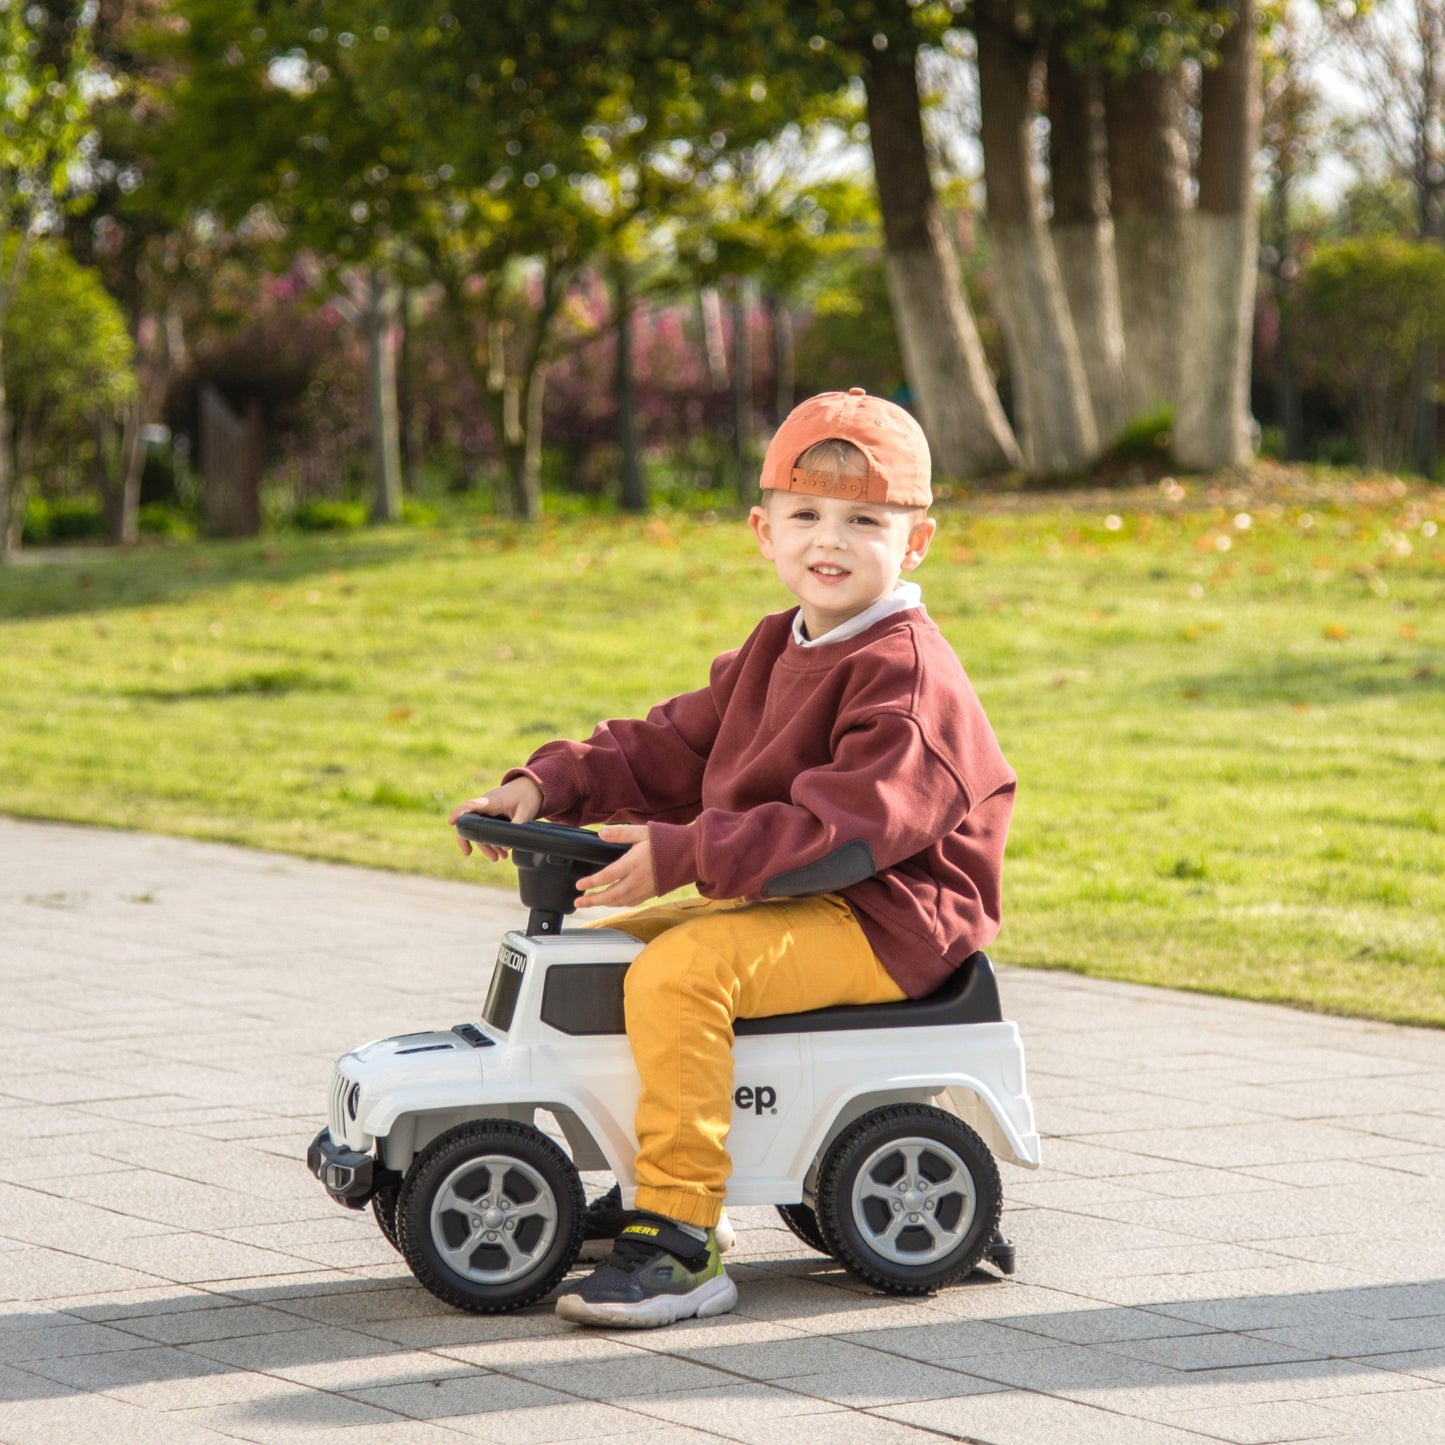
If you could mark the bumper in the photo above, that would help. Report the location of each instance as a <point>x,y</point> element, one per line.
<point>350,1178</point>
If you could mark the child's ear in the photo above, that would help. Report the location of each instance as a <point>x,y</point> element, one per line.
<point>762,527</point>
<point>919,537</point>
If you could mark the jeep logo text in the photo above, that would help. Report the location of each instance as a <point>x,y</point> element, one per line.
<point>757,1097</point>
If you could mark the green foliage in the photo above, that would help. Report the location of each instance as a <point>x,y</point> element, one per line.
<point>1365,308</point>
<point>850,339</point>
<point>327,516</point>
<point>1146,438</point>
<point>62,519</point>
<point>46,95</point>
<point>67,350</point>
<point>163,520</point>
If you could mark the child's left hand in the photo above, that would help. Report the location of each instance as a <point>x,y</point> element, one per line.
<point>626,881</point>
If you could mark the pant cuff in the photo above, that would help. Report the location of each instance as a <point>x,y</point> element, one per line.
<point>700,1210</point>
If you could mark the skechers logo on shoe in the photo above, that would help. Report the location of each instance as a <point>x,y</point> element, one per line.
<point>650,1230</point>
<point>757,1098</point>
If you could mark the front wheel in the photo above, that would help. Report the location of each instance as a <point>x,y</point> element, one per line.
<point>383,1209</point>
<point>908,1198</point>
<point>490,1216</point>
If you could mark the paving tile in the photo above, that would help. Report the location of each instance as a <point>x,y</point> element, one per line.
<point>1101,1326</point>
<point>1271,1424</point>
<point>488,1394</point>
<point>839,1427</point>
<point>1019,1418</point>
<point>84,1417</point>
<point>292,1414</point>
<point>1225,1183</point>
<point>620,1380</point>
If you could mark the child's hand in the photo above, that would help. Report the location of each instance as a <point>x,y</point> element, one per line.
<point>519,801</point>
<point>626,881</point>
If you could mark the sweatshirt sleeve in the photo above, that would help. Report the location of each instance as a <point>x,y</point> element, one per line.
<point>634,770</point>
<point>885,787</point>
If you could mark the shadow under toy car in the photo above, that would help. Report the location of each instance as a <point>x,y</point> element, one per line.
<point>873,1129</point>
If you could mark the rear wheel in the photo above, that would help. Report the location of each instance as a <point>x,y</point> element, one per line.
<point>802,1220</point>
<point>490,1216</point>
<point>908,1198</point>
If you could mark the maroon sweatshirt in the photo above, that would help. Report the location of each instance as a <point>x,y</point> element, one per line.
<point>864,767</point>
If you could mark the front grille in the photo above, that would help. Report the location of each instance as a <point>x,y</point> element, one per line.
<point>336,1116</point>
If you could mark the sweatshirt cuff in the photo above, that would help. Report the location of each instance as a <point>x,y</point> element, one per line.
<point>560,795</point>
<point>674,855</point>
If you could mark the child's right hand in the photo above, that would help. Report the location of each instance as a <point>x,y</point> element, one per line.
<point>519,801</point>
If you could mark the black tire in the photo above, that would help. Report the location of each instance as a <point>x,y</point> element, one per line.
<point>383,1208</point>
<point>490,1216</point>
<point>908,1198</point>
<point>801,1219</point>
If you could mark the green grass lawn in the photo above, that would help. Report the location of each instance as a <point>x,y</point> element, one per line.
<point>1225,709</point>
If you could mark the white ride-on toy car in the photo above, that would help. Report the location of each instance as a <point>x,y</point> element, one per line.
<point>870,1128</point>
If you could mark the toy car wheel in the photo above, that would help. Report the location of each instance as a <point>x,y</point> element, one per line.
<point>490,1216</point>
<point>908,1198</point>
<point>383,1207</point>
<point>801,1219</point>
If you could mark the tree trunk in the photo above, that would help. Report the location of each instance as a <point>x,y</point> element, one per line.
<point>742,394</point>
<point>634,486</point>
<point>407,411</point>
<point>12,520</point>
<point>1055,414</point>
<point>1214,427</point>
<point>8,489</point>
<point>785,367</point>
<point>122,495</point>
<point>232,457</point>
<point>1148,171</point>
<point>379,319</point>
<point>958,404</point>
<point>1083,236</point>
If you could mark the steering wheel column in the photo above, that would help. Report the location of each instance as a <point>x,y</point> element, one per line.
<point>550,858</point>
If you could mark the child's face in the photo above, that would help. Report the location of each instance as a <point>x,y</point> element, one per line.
<point>838,557</point>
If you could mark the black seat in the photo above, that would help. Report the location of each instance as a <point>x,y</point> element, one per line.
<point>969,995</point>
<point>586,998</point>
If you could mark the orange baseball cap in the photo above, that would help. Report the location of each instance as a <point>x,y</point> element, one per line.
<point>899,465</point>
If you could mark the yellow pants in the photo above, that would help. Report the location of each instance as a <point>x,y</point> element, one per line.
<point>705,964</point>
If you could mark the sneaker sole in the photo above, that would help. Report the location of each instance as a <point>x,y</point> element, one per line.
<point>594,1250</point>
<point>716,1297</point>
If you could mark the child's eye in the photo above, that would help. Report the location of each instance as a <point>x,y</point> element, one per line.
<point>865,521</point>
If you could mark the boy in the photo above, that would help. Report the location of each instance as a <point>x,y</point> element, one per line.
<point>840,754</point>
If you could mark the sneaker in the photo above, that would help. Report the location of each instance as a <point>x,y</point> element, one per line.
<point>656,1274</point>
<point>606,1218</point>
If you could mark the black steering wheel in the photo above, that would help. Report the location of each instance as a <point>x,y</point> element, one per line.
<point>550,858</point>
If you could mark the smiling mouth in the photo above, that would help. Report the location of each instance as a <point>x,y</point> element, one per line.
<point>828,572</point>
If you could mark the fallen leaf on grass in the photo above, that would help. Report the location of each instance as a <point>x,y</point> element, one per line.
<point>401,714</point>
<point>1409,631</point>
<point>1335,633</point>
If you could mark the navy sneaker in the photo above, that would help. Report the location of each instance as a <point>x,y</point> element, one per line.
<point>606,1219</point>
<point>656,1274</point>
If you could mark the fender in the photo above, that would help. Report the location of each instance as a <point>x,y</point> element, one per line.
<point>519,1099</point>
<point>1015,1127</point>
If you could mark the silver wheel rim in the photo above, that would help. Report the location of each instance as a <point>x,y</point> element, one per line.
<point>914,1201</point>
<point>493,1219</point>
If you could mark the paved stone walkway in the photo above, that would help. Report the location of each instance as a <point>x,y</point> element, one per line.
<point>1238,1234</point>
